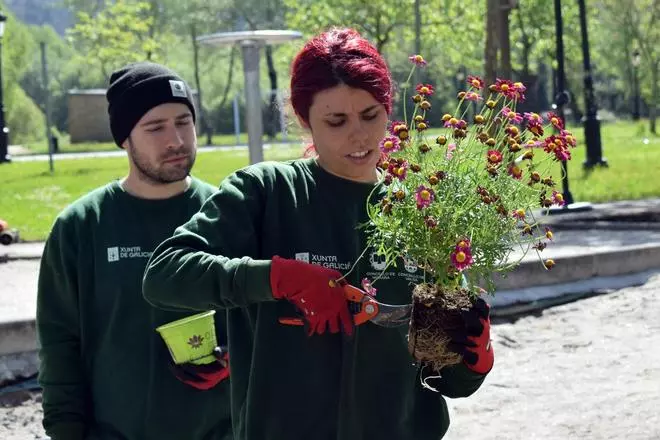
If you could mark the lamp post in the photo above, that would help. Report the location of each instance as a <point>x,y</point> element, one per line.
<point>251,43</point>
<point>590,120</point>
<point>636,60</point>
<point>4,131</point>
<point>562,97</point>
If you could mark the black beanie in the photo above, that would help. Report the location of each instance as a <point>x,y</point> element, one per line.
<point>137,88</point>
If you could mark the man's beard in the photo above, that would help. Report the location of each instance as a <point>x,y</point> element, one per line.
<point>162,176</point>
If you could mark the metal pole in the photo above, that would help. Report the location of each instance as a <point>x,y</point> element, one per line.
<point>280,104</point>
<point>561,99</point>
<point>44,77</point>
<point>635,64</point>
<point>253,100</point>
<point>418,36</point>
<point>636,110</point>
<point>590,120</point>
<point>561,96</point>
<point>4,131</point>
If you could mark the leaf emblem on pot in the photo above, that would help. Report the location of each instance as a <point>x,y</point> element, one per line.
<point>196,341</point>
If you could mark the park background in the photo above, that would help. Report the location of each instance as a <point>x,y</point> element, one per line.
<point>83,41</point>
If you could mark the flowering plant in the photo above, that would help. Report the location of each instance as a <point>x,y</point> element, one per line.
<point>462,200</point>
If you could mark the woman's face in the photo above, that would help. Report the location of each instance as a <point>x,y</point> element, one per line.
<point>347,124</point>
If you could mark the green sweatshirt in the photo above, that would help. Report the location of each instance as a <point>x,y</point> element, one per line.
<point>286,385</point>
<point>104,369</point>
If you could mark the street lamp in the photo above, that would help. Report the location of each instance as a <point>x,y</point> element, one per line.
<point>590,120</point>
<point>251,43</point>
<point>636,60</point>
<point>4,131</point>
<point>562,97</point>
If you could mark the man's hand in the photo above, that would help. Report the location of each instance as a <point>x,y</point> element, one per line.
<point>206,376</point>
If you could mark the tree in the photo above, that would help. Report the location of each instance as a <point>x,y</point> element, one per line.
<point>627,26</point>
<point>376,19</point>
<point>89,7</point>
<point>189,20</point>
<point>642,17</point>
<point>116,35</point>
<point>264,14</point>
<point>533,32</point>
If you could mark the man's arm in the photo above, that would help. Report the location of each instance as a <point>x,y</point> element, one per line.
<point>58,329</point>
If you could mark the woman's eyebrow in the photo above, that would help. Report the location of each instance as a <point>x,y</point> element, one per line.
<point>366,110</point>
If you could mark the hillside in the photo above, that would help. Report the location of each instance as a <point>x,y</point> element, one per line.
<point>41,12</point>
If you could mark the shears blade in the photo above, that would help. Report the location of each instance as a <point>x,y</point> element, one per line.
<point>366,309</point>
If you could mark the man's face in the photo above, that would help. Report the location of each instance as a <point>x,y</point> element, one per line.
<point>163,144</point>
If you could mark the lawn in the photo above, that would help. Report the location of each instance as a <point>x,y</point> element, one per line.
<point>30,197</point>
<point>219,139</point>
<point>633,171</point>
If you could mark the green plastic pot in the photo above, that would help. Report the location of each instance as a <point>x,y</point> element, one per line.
<point>191,339</point>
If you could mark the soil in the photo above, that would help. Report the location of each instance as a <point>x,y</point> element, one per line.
<point>435,314</point>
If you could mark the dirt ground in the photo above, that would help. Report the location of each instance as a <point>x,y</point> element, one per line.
<point>586,370</point>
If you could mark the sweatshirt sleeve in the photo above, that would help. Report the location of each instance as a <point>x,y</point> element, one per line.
<point>208,262</point>
<point>61,374</point>
<point>459,381</point>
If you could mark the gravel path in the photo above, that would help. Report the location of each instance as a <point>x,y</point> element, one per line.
<point>585,370</point>
<point>18,290</point>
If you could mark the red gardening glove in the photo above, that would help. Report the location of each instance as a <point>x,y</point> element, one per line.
<point>206,376</point>
<point>312,289</point>
<point>473,342</point>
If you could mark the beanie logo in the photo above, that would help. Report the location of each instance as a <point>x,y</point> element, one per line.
<point>178,89</point>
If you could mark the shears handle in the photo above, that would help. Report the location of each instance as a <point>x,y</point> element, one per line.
<point>361,305</point>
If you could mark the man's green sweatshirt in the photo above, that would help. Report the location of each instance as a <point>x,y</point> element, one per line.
<point>286,385</point>
<point>104,368</point>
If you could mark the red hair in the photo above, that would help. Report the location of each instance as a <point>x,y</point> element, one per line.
<point>338,56</point>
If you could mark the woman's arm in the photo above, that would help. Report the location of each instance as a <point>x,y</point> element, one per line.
<point>206,263</point>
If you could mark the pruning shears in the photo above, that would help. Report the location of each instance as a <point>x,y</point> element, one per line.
<point>366,309</point>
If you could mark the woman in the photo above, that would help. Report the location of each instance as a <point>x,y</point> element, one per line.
<point>268,244</point>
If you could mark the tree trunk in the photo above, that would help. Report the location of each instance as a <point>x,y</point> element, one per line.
<point>526,44</point>
<point>271,125</point>
<point>490,53</point>
<point>655,97</point>
<point>503,38</point>
<point>153,6</point>
<point>203,121</point>
<point>272,111</point>
<point>230,76</point>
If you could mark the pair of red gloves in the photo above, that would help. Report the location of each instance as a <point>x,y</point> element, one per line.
<point>314,291</point>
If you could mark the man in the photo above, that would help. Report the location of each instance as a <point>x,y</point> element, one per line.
<point>105,371</point>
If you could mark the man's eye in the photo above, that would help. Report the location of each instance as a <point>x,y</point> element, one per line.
<point>155,129</point>
<point>183,122</point>
<point>335,124</point>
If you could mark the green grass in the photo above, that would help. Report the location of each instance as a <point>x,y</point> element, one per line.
<point>633,171</point>
<point>30,197</point>
<point>65,146</point>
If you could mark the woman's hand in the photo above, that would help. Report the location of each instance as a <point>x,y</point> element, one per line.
<point>473,341</point>
<point>313,290</point>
